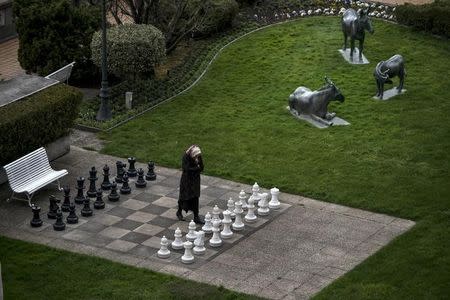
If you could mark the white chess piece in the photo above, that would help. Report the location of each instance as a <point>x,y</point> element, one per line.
<point>242,197</point>
<point>192,235</point>
<point>216,214</point>
<point>226,233</point>
<point>230,206</point>
<point>187,258</point>
<point>238,224</point>
<point>263,209</point>
<point>199,243</point>
<point>215,241</point>
<point>250,217</point>
<point>274,203</point>
<point>255,193</point>
<point>208,223</point>
<point>178,242</point>
<point>163,252</point>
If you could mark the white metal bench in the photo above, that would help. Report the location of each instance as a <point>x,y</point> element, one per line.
<point>31,173</point>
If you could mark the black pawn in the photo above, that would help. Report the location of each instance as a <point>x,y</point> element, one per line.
<point>66,204</point>
<point>36,221</point>
<point>59,224</point>
<point>53,207</point>
<point>99,204</point>
<point>151,171</point>
<point>86,211</point>
<point>132,172</point>
<point>79,199</point>
<point>106,184</point>
<point>113,196</point>
<point>72,218</point>
<point>120,171</point>
<point>125,189</point>
<point>141,183</point>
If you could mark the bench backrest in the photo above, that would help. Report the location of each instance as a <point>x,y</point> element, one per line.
<point>28,167</point>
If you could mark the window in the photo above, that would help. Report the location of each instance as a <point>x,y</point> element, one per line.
<point>2,17</point>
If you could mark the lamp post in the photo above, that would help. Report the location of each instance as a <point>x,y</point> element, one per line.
<point>104,112</point>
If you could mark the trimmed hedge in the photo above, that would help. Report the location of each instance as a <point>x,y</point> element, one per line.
<point>433,17</point>
<point>219,15</point>
<point>37,120</point>
<point>132,48</point>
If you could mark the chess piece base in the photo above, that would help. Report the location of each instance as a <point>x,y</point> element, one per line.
<point>59,227</point>
<point>36,223</point>
<point>163,254</point>
<point>199,250</point>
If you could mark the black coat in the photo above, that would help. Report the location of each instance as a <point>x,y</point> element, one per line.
<point>190,180</point>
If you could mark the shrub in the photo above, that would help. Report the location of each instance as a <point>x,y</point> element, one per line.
<point>433,17</point>
<point>132,49</point>
<point>219,15</point>
<point>54,33</point>
<point>37,120</point>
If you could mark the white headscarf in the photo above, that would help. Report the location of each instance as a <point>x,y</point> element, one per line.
<point>194,151</point>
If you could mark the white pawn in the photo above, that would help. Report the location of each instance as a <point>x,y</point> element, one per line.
<point>238,224</point>
<point>215,241</point>
<point>192,235</point>
<point>255,193</point>
<point>274,203</point>
<point>242,197</point>
<point>187,258</point>
<point>199,243</point>
<point>208,223</point>
<point>163,252</point>
<point>177,243</point>
<point>250,217</point>
<point>230,206</point>
<point>216,214</point>
<point>226,233</point>
<point>263,209</point>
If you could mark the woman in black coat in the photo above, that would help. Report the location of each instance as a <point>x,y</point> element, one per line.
<point>192,165</point>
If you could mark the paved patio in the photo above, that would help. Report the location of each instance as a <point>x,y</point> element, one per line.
<point>291,254</point>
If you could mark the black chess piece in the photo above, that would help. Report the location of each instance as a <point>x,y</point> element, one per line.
<point>99,203</point>
<point>72,218</point>
<point>151,171</point>
<point>92,192</point>
<point>106,184</point>
<point>113,196</point>
<point>120,171</point>
<point>141,183</point>
<point>65,205</point>
<point>132,172</point>
<point>125,189</point>
<point>36,221</point>
<point>79,199</point>
<point>59,224</point>
<point>86,211</point>
<point>53,207</point>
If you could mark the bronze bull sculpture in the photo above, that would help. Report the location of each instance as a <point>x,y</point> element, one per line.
<point>394,66</point>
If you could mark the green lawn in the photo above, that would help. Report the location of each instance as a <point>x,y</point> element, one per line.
<point>393,159</point>
<point>33,271</point>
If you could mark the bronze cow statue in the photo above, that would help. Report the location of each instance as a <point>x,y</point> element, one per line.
<point>315,103</point>
<point>354,25</point>
<point>394,66</point>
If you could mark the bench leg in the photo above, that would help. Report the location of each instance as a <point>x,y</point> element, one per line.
<point>59,185</point>
<point>10,198</point>
<point>29,197</point>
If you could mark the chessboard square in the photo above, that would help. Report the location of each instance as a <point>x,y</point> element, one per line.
<point>92,227</point>
<point>77,235</point>
<point>148,229</point>
<point>120,245</point>
<point>98,241</point>
<point>162,221</point>
<point>209,253</point>
<point>171,182</point>
<point>168,233</point>
<point>170,213</point>
<point>140,216</point>
<point>107,219</point>
<point>143,251</point>
<point>120,211</point>
<point>215,192</point>
<point>154,242</point>
<point>174,257</point>
<point>128,224</point>
<point>154,209</point>
<point>134,204</point>
<point>160,189</point>
<point>234,238</point>
<point>203,210</point>
<point>113,232</point>
<point>166,202</point>
<point>232,194</point>
<point>76,225</point>
<point>259,221</point>
<point>146,197</point>
<point>135,237</point>
<point>183,225</point>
